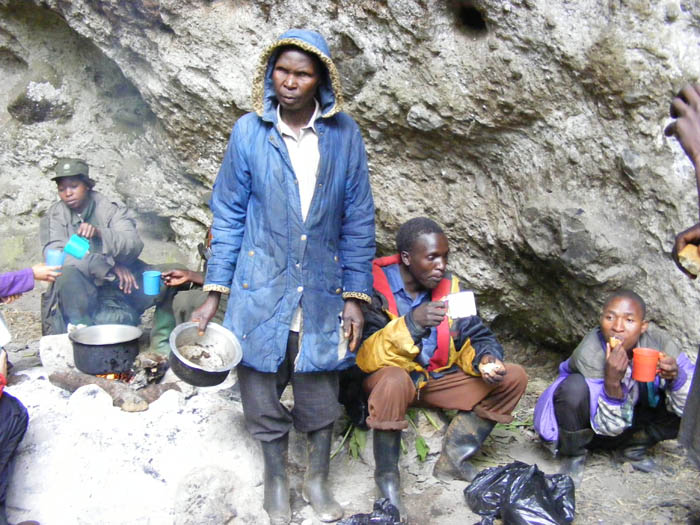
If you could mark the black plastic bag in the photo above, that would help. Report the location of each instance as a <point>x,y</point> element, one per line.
<point>384,513</point>
<point>521,494</point>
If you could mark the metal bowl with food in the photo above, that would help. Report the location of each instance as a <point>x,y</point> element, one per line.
<point>204,360</point>
<point>105,348</point>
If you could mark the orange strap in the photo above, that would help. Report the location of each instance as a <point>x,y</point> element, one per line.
<point>381,284</point>
<point>442,352</point>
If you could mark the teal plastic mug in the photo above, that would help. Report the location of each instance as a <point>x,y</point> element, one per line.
<point>77,246</point>
<point>151,282</point>
<point>55,257</point>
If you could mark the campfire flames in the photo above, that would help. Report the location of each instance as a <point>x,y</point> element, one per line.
<point>124,377</point>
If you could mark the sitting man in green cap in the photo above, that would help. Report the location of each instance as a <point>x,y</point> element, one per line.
<point>102,287</point>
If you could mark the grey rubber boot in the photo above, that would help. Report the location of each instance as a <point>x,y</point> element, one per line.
<point>386,445</point>
<point>463,438</point>
<point>573,452</point>
<point>635,451</point>
<point>315,489</point>
<point>276,501</point>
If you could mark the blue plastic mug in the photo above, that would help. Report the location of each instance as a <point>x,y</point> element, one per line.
<point>77,246</point>
<point>151,282</point>
<point>55,257</point>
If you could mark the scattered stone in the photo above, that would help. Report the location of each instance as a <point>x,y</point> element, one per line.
<point>423,118</point>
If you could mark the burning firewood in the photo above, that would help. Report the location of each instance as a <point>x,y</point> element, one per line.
<point>122,394</point>
<point>148,368</point>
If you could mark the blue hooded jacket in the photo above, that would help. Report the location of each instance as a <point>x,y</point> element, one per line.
<point>264,254</point>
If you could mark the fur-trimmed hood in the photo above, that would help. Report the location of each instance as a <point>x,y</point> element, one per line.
<point>330,95</point>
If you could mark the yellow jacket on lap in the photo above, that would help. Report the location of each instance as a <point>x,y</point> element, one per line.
<point>389,342</point>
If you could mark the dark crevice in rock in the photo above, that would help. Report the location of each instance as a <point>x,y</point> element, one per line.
<point>468,17</point>
<point>156,226</point>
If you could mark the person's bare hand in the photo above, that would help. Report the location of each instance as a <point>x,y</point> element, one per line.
<point>353,322</point>
<point>87,230</point>
<point>178,277</point>
<point>10,298</point>
<point>688,236</point>
<point>3,362</point>
<point>206,312</point>
<point>616,363</point>
<point>668,367</point>
<point>45,273</point>
<point>127,281</point>
<point>430,314</point>
<point>685,108</point>
<point>492,369</point>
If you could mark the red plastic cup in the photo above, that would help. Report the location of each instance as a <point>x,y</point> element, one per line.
<point>644,363</point>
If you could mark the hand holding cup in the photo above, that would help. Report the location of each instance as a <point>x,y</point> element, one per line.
<point>430,314</point>
<point>668,367</point>
<point>44,272</point>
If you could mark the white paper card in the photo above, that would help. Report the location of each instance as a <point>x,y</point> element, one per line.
<point>342,340</point>
<point>461,304</point>
<point>5,336</point>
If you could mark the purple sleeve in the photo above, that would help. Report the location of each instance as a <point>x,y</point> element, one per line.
<point>545,421</point>
<point>596,389</point>
<point>685,372</point>
<point>12,283</point>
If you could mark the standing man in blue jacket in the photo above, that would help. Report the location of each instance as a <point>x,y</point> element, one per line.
<point>293,242</point>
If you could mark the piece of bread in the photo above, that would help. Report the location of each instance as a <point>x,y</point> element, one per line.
<point>488,368</point>
<point>614,341</point>
<point>690,259</point>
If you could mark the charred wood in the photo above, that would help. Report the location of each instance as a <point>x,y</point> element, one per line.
<point>122,394</point>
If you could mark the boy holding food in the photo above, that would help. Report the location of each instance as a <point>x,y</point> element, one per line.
<point>596,403</point>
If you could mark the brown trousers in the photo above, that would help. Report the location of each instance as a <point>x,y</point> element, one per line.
<point>391,391</point>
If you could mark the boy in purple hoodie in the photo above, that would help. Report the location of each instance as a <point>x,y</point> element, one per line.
<point>595,403</point>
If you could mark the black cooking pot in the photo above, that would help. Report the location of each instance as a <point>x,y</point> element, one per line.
<point>105,348</point>
<point>219,345</point>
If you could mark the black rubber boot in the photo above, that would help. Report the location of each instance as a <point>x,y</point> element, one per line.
<point>276,501</point>
<point>573,452</point>
<point>463,438</point>
<point>635,451</point>
<point>387,447</point>
<point>315,489</point>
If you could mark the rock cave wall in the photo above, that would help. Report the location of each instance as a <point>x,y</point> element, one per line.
<point>530,129</point>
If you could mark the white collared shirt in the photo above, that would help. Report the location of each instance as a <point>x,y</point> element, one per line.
<point>305,158</point>
<point>304,154</point>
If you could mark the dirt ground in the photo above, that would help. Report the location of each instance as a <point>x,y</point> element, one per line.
<point>612,493</point>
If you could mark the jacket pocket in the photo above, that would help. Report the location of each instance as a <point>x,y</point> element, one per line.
<point>244,269</point>
<point>335,275</point>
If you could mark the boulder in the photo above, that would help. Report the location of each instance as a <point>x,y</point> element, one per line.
<point>531,130</point>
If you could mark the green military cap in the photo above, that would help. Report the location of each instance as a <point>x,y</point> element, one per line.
<point>70,168</point>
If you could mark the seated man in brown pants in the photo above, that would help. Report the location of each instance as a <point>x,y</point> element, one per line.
<point>418,356</point>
